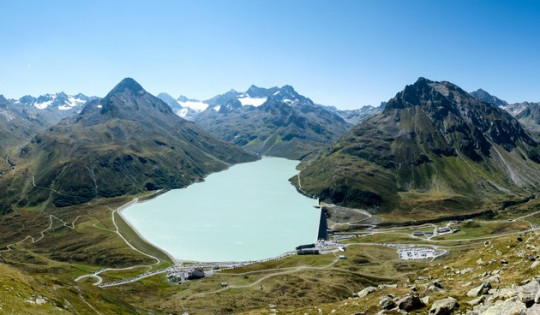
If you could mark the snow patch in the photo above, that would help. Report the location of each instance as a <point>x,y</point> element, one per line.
<point>194,105</point>
<point>72,102</point>
<point>182,112</point>
<point>291,102</point>
<point>216,108</point>
<point>252,101</point>
<point>43,105</point>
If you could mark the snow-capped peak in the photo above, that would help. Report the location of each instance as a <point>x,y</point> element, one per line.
<point>71,102</point>
<point>60,101</point>
<point>43,104</point>
<point>252,101</point>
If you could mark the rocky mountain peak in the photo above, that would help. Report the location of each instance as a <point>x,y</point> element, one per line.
<point>423,130</point>
<point>127,100</point>
<point>127,84</point>
<point>488,98</point>
<point>259,92</point>
<point>422,93</point>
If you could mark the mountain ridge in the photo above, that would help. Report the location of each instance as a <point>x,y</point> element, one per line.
<point>127,142</point>
<point>432,139</point>
<point>276,121</point>
<point>526,113</point>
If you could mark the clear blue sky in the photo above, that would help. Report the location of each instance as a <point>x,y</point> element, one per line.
<point>343,53</point>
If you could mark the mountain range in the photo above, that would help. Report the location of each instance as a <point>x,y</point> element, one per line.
<point>434,149</point>
<point>21,119</point>
<point>274,121</point>
<point>127,142</point>
<point>528,113</point>
<point>431,151</point>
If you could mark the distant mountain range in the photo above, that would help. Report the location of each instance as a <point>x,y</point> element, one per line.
<point>54,107</point>
<point>274,121</point>
<point>127,142</point>
<point>60,101</point>
<point>528,113</point>
<point>434,150</point>
<point>189,108</point>
<point>488,98</point>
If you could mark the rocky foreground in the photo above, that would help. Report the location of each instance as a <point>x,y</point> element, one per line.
<point>496,276</point>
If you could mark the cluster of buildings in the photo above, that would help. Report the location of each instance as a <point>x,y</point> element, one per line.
<point>451,227</point>
<point>416,253</point>
<point>180,276</point>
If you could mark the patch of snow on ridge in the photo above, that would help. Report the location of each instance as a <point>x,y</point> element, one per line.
<point>216,108</point>
<point>43,105</point>
<point>194,105</point>
<point>515,109</point>
<point>291,102</point>
<point>182,112</point>
<point>252,101</point>
<point>71,102</point>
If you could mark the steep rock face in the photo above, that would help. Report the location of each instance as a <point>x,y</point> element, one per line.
<point>531,114</point>
<point>530,118</point>
<point>527,113</point>
<point>277,122</point>
<point>433,148</point>
<point>127,142</point>
<point>17,125</point>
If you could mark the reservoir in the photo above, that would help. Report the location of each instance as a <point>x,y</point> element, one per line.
<point>247,212</point>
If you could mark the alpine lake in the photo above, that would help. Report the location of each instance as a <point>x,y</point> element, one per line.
<point>245,213</point>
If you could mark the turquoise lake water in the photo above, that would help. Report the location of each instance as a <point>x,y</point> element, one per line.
<point>248,212</point>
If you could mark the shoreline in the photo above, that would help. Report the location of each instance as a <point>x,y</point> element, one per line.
<point>126,222</point>
<point>184,261</point>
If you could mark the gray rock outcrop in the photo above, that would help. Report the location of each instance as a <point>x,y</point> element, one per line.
<point>410,303</point>
<point>444,306</point>
<point>479,290</point>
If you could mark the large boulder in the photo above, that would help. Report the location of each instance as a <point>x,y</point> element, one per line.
<point>477,301</point>
<point>534,310</point>
<point>479,290</point>
<point>527,293</point>
<point>508,307</point>
<point>410,303</point>
<point>444,306</point>
<point>504,294</point>
<point>366,291</point>
<point>387,302</point>
<point>435,286</point>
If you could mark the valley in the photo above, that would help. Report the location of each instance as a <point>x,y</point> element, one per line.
<point>328,282</point>
<point>371,157</point>
<point>428,197</point>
